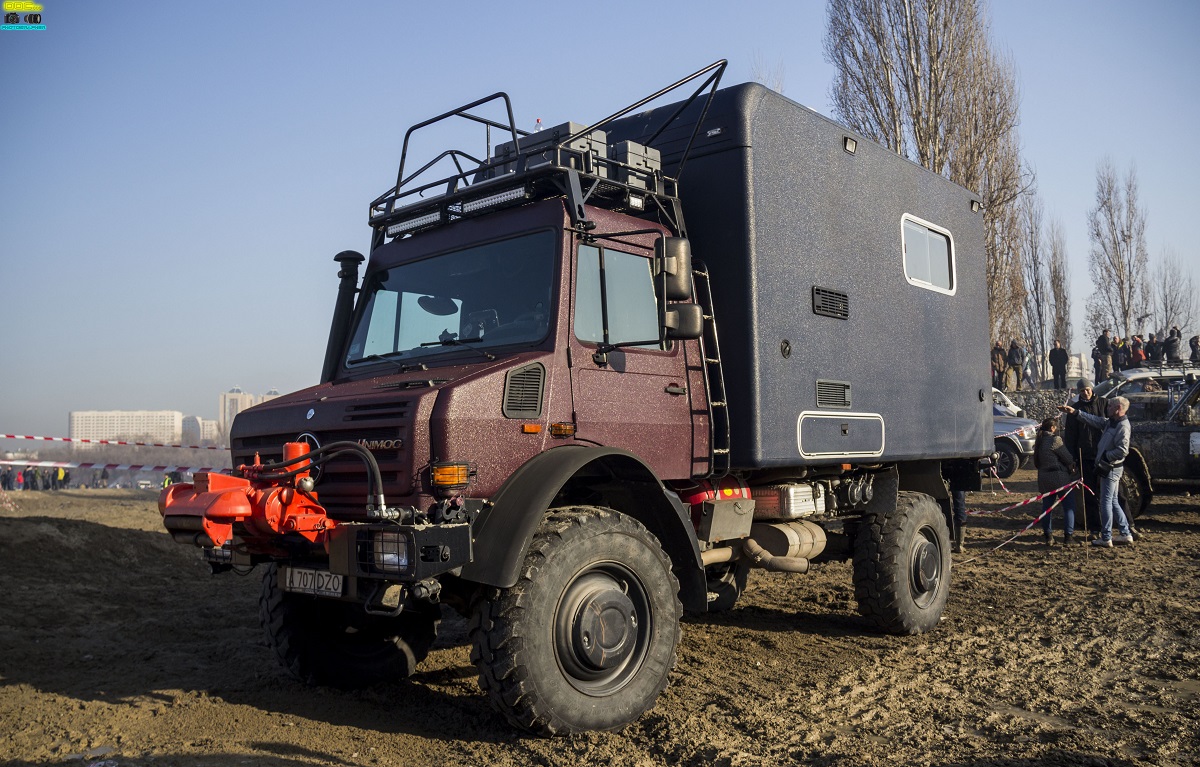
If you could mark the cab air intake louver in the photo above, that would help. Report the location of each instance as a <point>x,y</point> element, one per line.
<point>523,390</point>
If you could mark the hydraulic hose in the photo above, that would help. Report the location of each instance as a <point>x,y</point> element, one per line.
<point>326,453</point>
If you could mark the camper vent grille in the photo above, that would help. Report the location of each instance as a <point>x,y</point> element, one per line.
<point>830,303</point>
<point>523,390</point>
<point>833,394</point>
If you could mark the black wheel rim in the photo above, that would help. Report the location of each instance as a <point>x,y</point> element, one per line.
<point>602,628</point>
<point>1005,464</point>
<point>925,573</point>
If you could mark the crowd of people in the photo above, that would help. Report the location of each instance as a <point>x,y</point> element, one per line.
<point>1112,353</point>
<point>34,478</point>
<point>1012,368</point>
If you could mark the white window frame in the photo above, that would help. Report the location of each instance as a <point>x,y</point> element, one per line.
<point>953,257</point>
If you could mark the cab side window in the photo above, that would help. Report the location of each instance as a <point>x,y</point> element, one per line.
<point>623,283</point>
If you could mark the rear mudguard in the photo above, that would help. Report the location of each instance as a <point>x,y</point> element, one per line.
<point>506,527</point>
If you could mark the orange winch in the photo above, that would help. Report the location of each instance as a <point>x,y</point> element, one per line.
<point>210,506</point>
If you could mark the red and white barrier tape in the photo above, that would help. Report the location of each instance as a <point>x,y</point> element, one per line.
<point>109,466</point>
<point>978,512</point>
<point>1069,487</point>
<point>108,442</point>
<point>1026,529</point>
<point>1002,485</point>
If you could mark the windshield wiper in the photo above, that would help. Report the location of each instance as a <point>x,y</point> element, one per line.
<point>404,368</point>
<point>463,342</point>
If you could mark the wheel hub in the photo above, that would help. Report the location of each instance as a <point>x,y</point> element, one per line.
<point>598,625</point>
<point>926,566</point>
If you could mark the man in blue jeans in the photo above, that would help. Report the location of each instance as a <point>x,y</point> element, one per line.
<point>1110,464</point>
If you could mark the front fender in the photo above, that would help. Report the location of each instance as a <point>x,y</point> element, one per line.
<point>505,528</point>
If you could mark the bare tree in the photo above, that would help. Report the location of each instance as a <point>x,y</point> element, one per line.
<point>1035,272</point>
<point>1175,300</point>
<point>919,77</point>
<point>770,75</point>
<point>1118,259</point>
<point>1060,285</point>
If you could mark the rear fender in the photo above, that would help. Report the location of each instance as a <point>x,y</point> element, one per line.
<point>613,478</point>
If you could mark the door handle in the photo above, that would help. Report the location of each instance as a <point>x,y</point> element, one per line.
<point>676,390</point>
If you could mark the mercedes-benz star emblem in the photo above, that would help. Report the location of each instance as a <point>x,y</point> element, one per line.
<point>313,445</point>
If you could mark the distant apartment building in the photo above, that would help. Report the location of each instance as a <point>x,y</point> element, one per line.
<point>200,431</point>
<point>164,426</point>
<point>235,401</point>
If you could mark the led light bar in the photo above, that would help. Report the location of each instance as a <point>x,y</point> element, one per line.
<point>499,198</point>
<point>414,223</point>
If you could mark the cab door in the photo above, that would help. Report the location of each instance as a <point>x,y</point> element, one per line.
<point>638,397</point>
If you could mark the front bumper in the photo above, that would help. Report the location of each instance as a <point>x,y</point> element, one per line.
<point>399,553</point>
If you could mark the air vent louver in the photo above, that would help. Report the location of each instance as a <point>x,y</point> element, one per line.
<point>523,390</point>
<point>833,394</point>
<point>830,303</point>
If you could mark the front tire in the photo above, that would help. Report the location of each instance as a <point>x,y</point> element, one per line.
<point>587,636</point>
<point>332,643</point>
<point>902,565</point>
<point>1007,460</point>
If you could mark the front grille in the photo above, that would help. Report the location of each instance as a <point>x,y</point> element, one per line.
<point>384,428</point>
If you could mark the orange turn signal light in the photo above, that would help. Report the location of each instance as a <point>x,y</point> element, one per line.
<point>531,428</point>
<point>562,430</point>
<point>450,474</point>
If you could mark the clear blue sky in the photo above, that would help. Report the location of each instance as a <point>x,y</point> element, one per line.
<point>177,177</point>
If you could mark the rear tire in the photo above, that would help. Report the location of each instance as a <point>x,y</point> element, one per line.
<point>587,636</point>
<point>332,643</point>
<point>1134,492</point>
<point>902,565</point>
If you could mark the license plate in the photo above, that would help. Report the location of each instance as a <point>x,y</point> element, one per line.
<point>318,582</point>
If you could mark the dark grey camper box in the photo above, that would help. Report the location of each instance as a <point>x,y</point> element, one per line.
<point>831,354</point>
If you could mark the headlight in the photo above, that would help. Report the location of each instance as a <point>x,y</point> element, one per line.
<point>390,552</point>
<point>1028,432</point>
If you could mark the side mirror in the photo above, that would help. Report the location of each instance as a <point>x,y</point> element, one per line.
<point>684,321</point>
<point>673,259</point>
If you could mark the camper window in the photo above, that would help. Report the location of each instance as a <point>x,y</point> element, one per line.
<point>928,255</point>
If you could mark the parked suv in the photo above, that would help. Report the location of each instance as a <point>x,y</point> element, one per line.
<point>1145,379</point>
<point>1168,435</point>
<point>1014,440</point>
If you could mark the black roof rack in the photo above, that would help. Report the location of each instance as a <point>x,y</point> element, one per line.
<point>537,168</point>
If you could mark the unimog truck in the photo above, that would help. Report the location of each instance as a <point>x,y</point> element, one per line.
<point>591,379</point>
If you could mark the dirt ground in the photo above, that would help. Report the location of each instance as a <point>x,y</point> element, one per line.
<point>117,648</point>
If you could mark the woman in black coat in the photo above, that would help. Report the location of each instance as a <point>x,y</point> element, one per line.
<point>1055,468</point>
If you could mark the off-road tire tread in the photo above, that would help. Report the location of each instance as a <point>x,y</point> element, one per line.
<point>879,553</point>
<point>282,620</point>
<point>500,656</point>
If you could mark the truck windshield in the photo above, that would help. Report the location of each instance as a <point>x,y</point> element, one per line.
<point>483,297</point>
